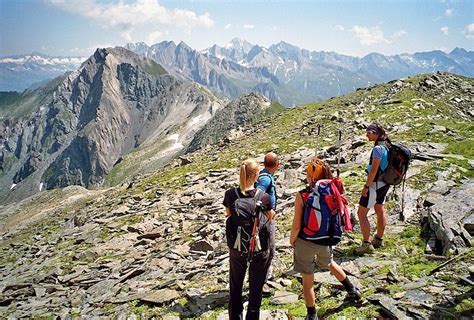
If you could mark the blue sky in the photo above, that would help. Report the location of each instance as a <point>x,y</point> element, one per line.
<point>77,27</point>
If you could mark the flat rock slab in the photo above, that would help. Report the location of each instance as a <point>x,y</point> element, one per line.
<point>389,306</point>
<point>328,279</point>
<point>417,297</point>
<point>159,297</point>
<point>284,297</point>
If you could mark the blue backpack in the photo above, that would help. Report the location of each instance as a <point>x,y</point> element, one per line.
<point>325,214</point>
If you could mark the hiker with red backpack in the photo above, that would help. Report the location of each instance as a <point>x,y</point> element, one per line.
<point>320,214</point>
<point>249,214</point>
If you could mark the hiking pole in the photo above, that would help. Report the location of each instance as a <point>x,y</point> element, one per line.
<point>339,153</point>
<point>402,214</point>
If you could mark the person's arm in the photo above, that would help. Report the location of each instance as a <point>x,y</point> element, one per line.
<point>371,175</point>
<point>269,214</point>
<point>227,212</point>
<point>263,182</point>
<point>296,226</point>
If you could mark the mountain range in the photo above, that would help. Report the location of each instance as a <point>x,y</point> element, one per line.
<point>21,72</point>
<point>292,75</point>
<point>282,72</point>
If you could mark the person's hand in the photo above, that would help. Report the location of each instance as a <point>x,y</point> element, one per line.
<point>293,240</point>
<point>270,214</point>
<point>365,191</point>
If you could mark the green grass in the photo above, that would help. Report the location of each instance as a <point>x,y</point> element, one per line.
<point>413,264</point>
<point>154,68</point>
<point>464,307</point>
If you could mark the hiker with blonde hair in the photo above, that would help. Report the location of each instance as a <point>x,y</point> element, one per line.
<point>313,252</point>
<point>249,213</point>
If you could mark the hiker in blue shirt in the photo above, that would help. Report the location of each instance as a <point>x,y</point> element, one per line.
<point>266,183</point>
<point>374,191</point>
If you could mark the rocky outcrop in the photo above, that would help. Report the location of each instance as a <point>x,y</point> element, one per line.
<point>238,113</point>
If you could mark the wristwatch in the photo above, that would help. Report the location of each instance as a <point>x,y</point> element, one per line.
<point>366,187</point>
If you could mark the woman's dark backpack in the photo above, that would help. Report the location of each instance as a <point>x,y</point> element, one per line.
<point>399,158</point>
<point>247,227</point>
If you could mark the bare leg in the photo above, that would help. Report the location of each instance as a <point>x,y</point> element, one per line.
<point>381,219</point>
<point>308,291</point>
<point>337,271</point>
<point>364,222</point>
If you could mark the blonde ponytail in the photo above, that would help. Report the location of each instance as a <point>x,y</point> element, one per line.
<point>248,174</point>
<point>243,178</point>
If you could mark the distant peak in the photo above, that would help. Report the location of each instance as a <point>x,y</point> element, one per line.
<point>182,44</point>
<point>458,50</point>
<point>285,45</point>
<point>36,53</point>
<point>239,43</point>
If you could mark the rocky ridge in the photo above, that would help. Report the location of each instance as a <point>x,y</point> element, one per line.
<point>239,113</point>
<point>146,249</point>
<point>79,126</point>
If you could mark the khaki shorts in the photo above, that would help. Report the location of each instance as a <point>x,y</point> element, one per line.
<point>308,256</point>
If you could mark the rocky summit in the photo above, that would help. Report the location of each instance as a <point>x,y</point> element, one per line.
<point>73,130</point>
<point>153,245</point>
<point>79,127</point>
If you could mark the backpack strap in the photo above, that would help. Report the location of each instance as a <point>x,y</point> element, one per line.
<point>305,194</point>
<point>236,190</point>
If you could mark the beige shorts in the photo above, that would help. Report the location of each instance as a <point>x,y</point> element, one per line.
<point>308,256</point>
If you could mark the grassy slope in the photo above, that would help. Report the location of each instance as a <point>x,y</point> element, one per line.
<point>286,132</point>
<point>24,104</point>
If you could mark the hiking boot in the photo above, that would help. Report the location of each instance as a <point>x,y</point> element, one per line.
<point>354,295</point>
<point>377,242</point>
<point>311,317</point>
<point>365,247</point>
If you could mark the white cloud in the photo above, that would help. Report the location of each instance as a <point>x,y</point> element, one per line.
<point>398,34</point>
<point>338,27</point>
<point>227,26</point>
<point>154,36</point>
<point>448,12</point>
<point>374,35</point>
<point>127,16</point>
<point>445,30</point>
<point>369,36</point>
<point>127,35</point>
<point>249,26</point>
<point>469,31</point>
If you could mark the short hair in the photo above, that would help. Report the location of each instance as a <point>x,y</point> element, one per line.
<point>270,160</point>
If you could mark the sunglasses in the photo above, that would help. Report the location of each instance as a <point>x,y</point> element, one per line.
<point>370,131</point>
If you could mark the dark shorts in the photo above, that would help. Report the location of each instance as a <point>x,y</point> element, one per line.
<point>374,196</point>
